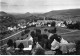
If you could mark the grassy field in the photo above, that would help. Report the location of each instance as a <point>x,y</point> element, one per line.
<point>62,30</point>
<point>72,37</point>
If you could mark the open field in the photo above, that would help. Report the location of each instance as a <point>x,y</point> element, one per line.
<point>71,37</point>
<point>62,30</point>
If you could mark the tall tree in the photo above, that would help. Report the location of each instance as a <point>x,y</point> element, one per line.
<point>10,43</point>
<point>21,46</point>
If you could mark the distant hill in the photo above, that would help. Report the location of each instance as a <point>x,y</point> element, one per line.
<point>3,13</point>
<point>73,14</point>
<point>63,12</point>
<point>22,15</point>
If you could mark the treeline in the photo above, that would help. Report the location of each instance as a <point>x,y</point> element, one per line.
<point>73,25</point>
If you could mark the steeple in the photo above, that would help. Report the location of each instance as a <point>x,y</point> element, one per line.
<point>44,19</point>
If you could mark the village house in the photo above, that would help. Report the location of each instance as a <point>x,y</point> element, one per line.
<point>60,24</point>
<point>12,28</point>
<point>22,23</point>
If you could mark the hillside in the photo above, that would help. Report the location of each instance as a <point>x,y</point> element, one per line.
<point>64,12</point>
<point>3,13</point>
<point>6,20</point>
<point>73,14</point>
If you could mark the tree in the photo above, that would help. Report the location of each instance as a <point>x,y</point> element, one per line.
<point>10,43</point>
<point>70,26</point>
<point>33,34</point>
<point>77,25</point>
<point>74,26</point>
<point>38,31</point>
<point>55,30</point>
<point>27,31</point>
<point>21,46</point>
<point>14,44</point>
<point>65,23</point>
<point>53,24</point>
<point>45,36</point>
<point>8,21</point>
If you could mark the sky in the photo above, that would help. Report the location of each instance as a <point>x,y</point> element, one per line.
<point>37,6</point>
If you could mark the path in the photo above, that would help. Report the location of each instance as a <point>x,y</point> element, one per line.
<point>68,32</point>
<point>12,35</point>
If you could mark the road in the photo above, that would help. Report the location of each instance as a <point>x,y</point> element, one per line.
<point>12,35</point>
<point>68,32</point>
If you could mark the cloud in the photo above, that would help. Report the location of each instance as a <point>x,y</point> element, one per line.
<point>9,7</point>
<point>38,5</point>
<point>3,3</point>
